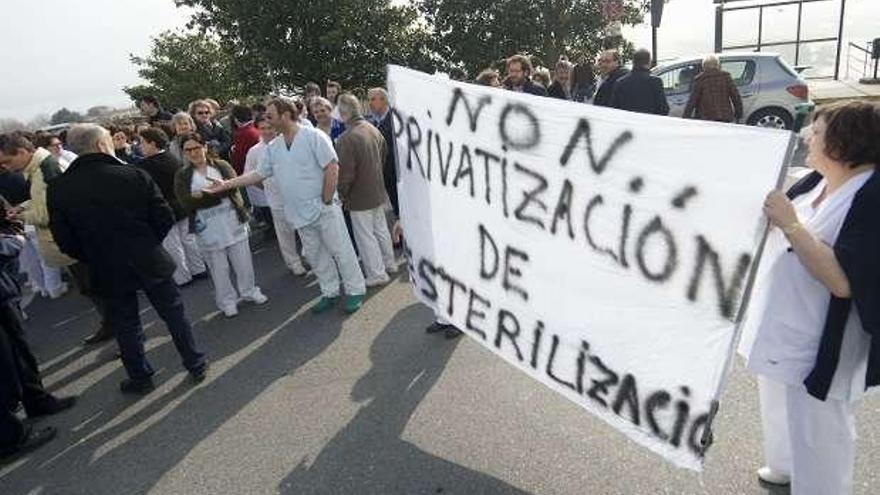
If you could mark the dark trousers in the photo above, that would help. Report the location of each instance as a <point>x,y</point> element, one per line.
<point>124,317</point>
<point>19,375</point>
<point>79,273</point>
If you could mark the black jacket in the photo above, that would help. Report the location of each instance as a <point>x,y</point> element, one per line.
<point>530,88</point>
<point>218,138</point>
<point>606,89</point>
<point>641,92</point>
<point>857,249</point>
<point>389,171</point>
<point>161,116</point>
<point>557,91</point>
<point>113,218</point>
<point>162,168</point>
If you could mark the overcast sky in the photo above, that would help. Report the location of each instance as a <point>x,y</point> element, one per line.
<point>75,53</point>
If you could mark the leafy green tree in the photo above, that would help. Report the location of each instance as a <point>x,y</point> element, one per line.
<point>474,36</point>
<point>350,41</point>
<point>64,116</point>
<point>182,67</point>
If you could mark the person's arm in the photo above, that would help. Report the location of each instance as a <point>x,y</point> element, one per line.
<point>347,170</point>
<point>160,215</point>
<point>735,98</point>
<point>663,105</point>
<point>63,233</point>
<point>331,178</point>
<point>693,100</point>
<point>219,187</point>
<point>815,255</point>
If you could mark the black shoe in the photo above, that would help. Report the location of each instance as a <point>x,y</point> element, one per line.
<point>437,327</point>
<point>103,334</point>
<point>34,438</point>
<point>50,407</point>
<point>138,387</point>
<point>452,333</point>
<point>200,276</point>
<point>199,375</point>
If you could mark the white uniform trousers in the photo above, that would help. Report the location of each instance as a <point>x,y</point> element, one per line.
<point>286,236</point>
<point>182,247</point>
<point>44,279</point>
<point>239,256</point>
<point>812,441</point>
<point>374,243</point>
<point>327,247</point>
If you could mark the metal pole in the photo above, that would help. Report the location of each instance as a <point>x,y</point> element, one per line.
<point>797,43</point>
<point>839,41</point>
<point>760,26</point>
<point>719,28</point>
<point>654,45</point>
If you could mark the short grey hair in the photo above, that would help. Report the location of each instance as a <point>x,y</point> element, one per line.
<point>83,138</point>
<point>711,62</point>
<point>378,91</point>
<point>183,117</point>
<point>320,100</point>
<point>349,106</point>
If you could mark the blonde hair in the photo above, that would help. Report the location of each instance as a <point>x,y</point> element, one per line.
<point>194,106</point>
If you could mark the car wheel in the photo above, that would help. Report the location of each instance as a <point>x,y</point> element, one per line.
<point>773,118</point>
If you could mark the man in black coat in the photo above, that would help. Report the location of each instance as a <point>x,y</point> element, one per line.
<point>609,67</point>
<point>381,117</point>
<point>113,218</point>
<point>639,91</point>
<point>519,76</point>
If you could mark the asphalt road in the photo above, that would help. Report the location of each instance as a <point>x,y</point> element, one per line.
<point>367,404</point>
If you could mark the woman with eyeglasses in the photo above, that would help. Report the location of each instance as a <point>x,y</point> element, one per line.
<point>218,138</point>
<point>812,333</point>
<point>55,146</point>
<point>220,223</point>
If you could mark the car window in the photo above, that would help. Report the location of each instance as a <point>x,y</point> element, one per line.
<point>742,71</point>
<point>679,79</point>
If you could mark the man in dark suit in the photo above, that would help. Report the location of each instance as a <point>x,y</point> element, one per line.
<point>381,117</point>
<point>609,67</point>
<point>639,91</point>
<point>113,217</point>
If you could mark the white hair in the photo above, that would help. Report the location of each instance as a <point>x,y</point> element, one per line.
<point>378,91</point>
<point>349,106</point>
<point>711,62</point>
<point>83,138</point>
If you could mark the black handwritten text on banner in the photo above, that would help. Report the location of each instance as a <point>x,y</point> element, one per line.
<point>604,253</point>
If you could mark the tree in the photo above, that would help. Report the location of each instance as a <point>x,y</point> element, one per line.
<point>476,38</point>
<point>299,41</point>
<point>64,116</point>
<point>182,67</point>
<point>11,125</point>
<point>98,111</point>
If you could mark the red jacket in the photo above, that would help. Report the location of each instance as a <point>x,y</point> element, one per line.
<point>242,140</point>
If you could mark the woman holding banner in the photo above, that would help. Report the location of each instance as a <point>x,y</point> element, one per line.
<point>812,334</point>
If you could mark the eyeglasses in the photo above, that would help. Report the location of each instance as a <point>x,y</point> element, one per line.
<point>203,112</point>
<point>192,149</point>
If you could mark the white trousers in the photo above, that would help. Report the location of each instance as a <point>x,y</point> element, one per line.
<point>239,256</point>
<point>182,247</point>
<point>286,236</point>
<point>43,278</point>
<point>812,441</point>
<point>374,242</point>
<point>328,249</point>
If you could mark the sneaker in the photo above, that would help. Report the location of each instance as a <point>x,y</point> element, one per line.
<point>381,280</point>
<point>230,312</point>
<point>52,406</point>
<point>137,387</point>
<point>33,439</point>
<point>392,269</point>
<point>437,327</point>
<point>771,477</point>
<point>353,303</point>
<point>258,298</point>
<point>298,269</point>
<point>199,375</point>
<point>324,304</point>
<point>452,333</point>
<point>60,291</point>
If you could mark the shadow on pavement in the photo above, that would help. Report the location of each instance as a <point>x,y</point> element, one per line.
<point>369,456</point>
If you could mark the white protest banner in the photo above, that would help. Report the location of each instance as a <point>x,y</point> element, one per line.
<point>604,253</point>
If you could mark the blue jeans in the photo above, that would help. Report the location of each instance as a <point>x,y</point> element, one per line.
<point>124,318</point>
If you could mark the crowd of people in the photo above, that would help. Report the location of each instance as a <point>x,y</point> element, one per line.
<point>154,206</point>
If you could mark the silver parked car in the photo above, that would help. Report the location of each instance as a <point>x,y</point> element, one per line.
<point>769,87</point>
